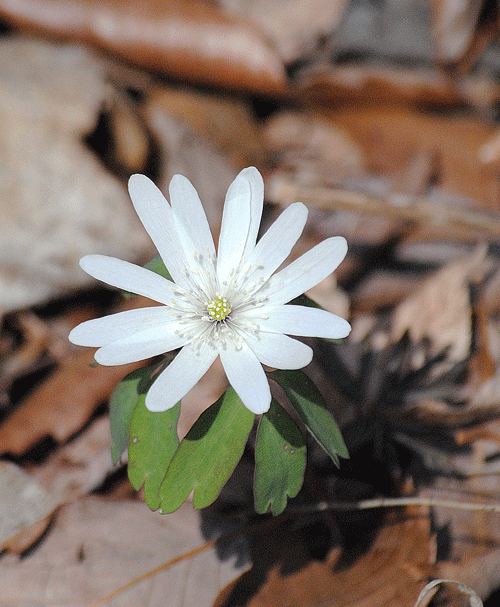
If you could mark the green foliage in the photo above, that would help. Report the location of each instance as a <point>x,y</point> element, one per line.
<point>153,441</point>
<point>303,300</point>
<point>310,407</point>
<point>121,408</point>
<point>208,454</point>
<point>156,265</point>
<point>280,460</point>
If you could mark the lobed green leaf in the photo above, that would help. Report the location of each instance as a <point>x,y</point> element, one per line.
<point>208,454</point>
<point>121,408</point>
<point>153,442</point>
<point>280,460</point>
<point>310,407</point>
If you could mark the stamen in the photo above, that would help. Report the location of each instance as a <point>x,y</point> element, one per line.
<point>218,309</point>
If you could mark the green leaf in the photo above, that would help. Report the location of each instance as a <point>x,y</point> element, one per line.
<point>121,408</point>
<point>280,460</point>
<point>153,442</point>
<point>310,406</point>
<point>208,454</point>
<point>156,265</point>
<point>303,300</point>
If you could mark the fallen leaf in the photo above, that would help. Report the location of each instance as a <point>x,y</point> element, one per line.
<point>23,504</point>
<point>312,148</point>
<point>470,540</point>
<point>391,572</point>
<point>440,310</point>
<point>396,31</point>
<point>295,28</point>
<point>78,467</point>
<point>454,26</point>
<point>448,592</point>
<point>65,401</point>
<point>374,219</point>
<point>225,123</point>
<point>97,546</point>
<point>58,202</point>
<point>391,136</point>
<point>370,82</point>
<point>191,40</point>
<point>62,404</point>
<point>28,500</point>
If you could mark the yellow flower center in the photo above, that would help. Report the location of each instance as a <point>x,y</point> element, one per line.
<point>218,308</point>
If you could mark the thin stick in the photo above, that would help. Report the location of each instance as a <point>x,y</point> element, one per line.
<point>148,574</point>
<point>396,502</point>
<point>406,208</point>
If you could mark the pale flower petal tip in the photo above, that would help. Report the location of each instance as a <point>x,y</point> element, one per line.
<point>73,336</point>
<point>136,182</point>
<point>259,407</point>
<point>157,405</point>
<point>85,261</point>
<point>216,303</point>
<point>344,330</point>
<point>339,248</point>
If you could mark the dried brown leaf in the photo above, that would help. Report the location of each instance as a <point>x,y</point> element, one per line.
<point>391,572</point>
<point>225,123</point>
<point>191,40</point>
<point>454,27</point>
<point>64,402</point>
<point>383,289</point>
<point>441,310</point>
<point>391,136</point>
<point>312,148</point>
<point>37,338</point>
<point>29,499</point>
<point>472,538</point>
<point>431,218</point>
<point>295,28</point>
<point>373,82</point>
<point>78,467</point>
<point>450,593</point>
<point>96,546</point>
<point>58,202</point>
<point>24,508</point>
<point>132,146</point>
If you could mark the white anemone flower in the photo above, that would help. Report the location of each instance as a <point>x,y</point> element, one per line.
<point>229,304</point>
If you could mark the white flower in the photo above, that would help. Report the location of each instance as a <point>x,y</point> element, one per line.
<point>228,304</point>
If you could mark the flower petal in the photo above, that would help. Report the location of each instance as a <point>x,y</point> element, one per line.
<point>101,331</point>
<point>246,375</point>
<point>236,219</point>
<point>182,374</point>
<point>276,244</point>
<point>127,276</point>
<point>280,351</point>
<point>187,206</point>
<point>158,219</point>
<point>256,206</point>
<point>300,320</point>
<point>141,345</point>
<point>306,271</point>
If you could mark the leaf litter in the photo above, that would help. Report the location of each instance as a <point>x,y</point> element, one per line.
<point>388,149</point>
